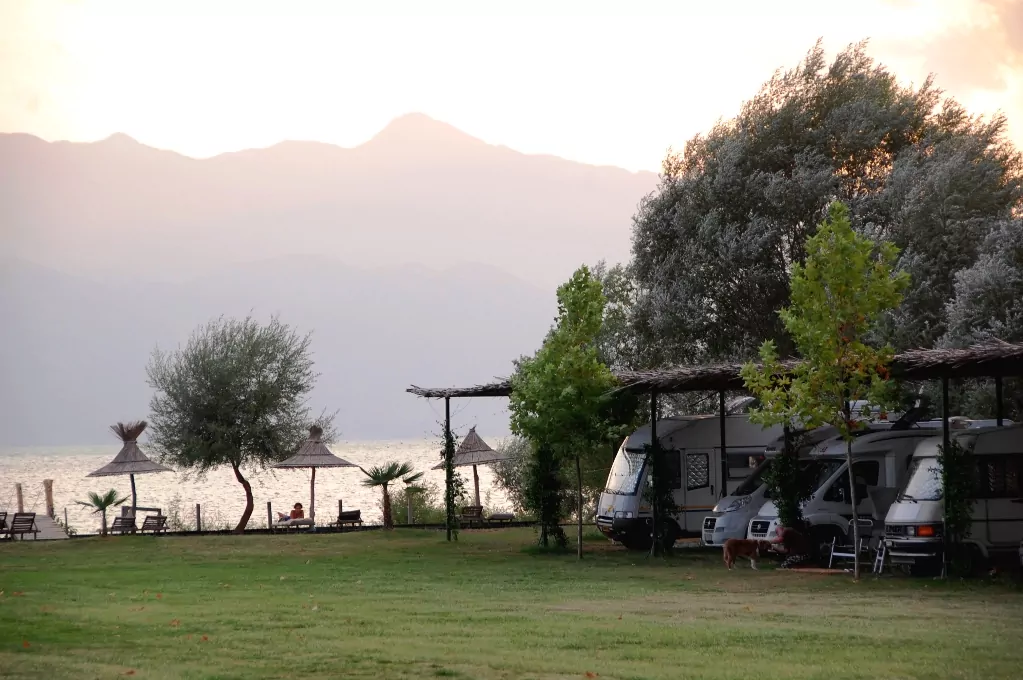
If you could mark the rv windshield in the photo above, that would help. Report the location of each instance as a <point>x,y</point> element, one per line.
<point>625,473</point>
<point>924,481</point>
<point>753,481</point>
<point>815,473</point>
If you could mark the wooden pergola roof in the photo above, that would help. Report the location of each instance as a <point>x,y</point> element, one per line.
<point>991,359</point>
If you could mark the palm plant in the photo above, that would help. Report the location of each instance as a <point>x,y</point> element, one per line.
<point>381,476</point>
<point>100,504</point>
<point>410,488</point>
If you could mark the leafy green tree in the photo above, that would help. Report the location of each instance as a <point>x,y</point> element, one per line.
<point>234,395</point>
<point>100,504</point>
<point>561,401</point>
<point>712,246</point>
<point>381,477</point>
<point>412,489</point>
<point>845,285</point>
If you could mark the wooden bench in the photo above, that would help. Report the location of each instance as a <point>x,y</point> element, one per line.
<point>501,518</point>
<point>155,523</point>
<point>3,523</point>
<point>471,514</point>
<point>23,523</point>
<point>348,518</point>
<point>123,525</point>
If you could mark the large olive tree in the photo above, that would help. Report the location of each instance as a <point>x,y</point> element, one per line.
<point>235,395</point>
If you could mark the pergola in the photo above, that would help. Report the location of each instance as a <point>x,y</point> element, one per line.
<point>993,359</point>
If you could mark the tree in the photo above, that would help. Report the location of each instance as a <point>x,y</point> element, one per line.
<point>234,395</point>
<point>561,401</point>
<point>100,504</point>
<point>412,487</point>
<point>381,477</point>
<point>846,284</point>
<point>712,246</point>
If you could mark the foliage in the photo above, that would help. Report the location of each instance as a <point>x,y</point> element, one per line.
<point>713,245</point>
<point>100,504</point>
<point>789,487</point>
<point>427,505</point>
<point>846,284</point>
<point>561,400</point>
<point>234,395</point>
<point>382,476</point>
<point>958,473</point>
<point>662,500</point>
<point>616,343</point>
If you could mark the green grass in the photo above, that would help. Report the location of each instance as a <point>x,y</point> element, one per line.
<point>408,605</point>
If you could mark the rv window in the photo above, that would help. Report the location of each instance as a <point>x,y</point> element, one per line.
<point>697,471</point>
<point>924,481</point>
<point>1000,476</point>
<point>869,470</point>
<point>753,481</point>
<point>625,473</point>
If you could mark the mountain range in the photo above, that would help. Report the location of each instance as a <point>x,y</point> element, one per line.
<point>423,256</point>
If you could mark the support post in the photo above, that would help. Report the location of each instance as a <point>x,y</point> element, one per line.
<point>724,450</point>
<point>67,527</point>
<point>269,516</point>
<point>999,404</point>
<point>449,501</point>
<point>19,494</point>
<point>198,518</point>
<point>312,497</point>
<point>476,484</point>
<point>946,442</point>
<point>48,491</point>
<point>134,503</point>
<point>653,453</point>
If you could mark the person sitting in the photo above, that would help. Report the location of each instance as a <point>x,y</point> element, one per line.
<point>792,543</point>
<point>296,513</point>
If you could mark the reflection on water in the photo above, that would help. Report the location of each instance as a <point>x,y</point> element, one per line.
<point>221,497</point>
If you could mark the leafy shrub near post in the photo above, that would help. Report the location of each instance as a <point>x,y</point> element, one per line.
<point>662,500</point>
<point>788,485</point>
<point>543,493</point>
<point>958,474</point>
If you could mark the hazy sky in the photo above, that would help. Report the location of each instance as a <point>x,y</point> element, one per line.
<point>580,80</point>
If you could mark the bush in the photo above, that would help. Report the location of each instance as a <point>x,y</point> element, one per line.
<point>427,505</point>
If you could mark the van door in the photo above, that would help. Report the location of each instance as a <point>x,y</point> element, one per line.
<point>1001,482</point>
<point>697,480</point>
<point>837,499</point>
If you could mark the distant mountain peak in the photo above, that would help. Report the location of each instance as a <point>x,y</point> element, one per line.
<point>121,139</point>
<point>419,129</point>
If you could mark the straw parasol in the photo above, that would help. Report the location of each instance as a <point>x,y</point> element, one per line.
<point>474,451</point>
<point>314,454</point>
<point>130,460</point>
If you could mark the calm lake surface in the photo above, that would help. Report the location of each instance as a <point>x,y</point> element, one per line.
<point>221,497</point>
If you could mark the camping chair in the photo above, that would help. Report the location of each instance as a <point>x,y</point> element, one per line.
<point>154,523</point>
<point>846,550</point>
<point>23,523</point>
<point>471,514</point>
<point>124,525</point>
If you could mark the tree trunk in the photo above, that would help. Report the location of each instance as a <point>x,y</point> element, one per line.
<point>134,500</point>
<point>852,497</point>
<point>244,521</point>
<point>579,525</point>
<point>103,523</point>
<point>388,520</point>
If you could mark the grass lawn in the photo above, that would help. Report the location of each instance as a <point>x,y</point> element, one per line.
<point>408,605</point>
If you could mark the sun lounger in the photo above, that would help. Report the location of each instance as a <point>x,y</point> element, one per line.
<point>22,523</point>
<point>348,518</point>
<point>154,523</point>
<point>123,525</point>
<point>293,524</point>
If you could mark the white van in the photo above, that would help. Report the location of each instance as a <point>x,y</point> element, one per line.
<point>693,447</point>
<point>913,526</point>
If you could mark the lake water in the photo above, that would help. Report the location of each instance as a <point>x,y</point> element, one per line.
<point>220,495</point>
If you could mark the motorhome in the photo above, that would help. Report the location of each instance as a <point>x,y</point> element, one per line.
<point>693,446</point>
<point>881,460</point>
<point>913,525</point>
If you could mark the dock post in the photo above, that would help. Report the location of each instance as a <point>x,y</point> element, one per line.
<point>48,490</point>
<point>198,519</point>
<point>269,517</point>
<point>20,496</point>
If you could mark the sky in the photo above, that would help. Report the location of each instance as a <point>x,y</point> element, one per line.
<point>588,81</point>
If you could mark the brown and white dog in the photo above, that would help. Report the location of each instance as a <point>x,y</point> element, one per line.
<point>741,547</point>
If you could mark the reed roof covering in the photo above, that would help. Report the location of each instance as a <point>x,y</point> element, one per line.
<point>314,454</point>
<point>989,359</point>
<point>129,460</point>
<point>473,451</point>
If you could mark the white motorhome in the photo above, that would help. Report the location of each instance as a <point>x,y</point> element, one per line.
<point>913,525</point>
<point>693,446</point>
<point>881,461</point>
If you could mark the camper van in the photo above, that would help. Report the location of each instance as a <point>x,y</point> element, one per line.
<point>881,460</point>
<point>913,525</point>
<point>731,516</point>
<point>693,445</point>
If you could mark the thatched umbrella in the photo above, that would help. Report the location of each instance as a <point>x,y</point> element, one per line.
<point>129,460</point>
<point>474,451</point>
<point>314,454</point>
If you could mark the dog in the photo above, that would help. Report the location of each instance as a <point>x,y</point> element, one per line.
<point>740,547</point>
